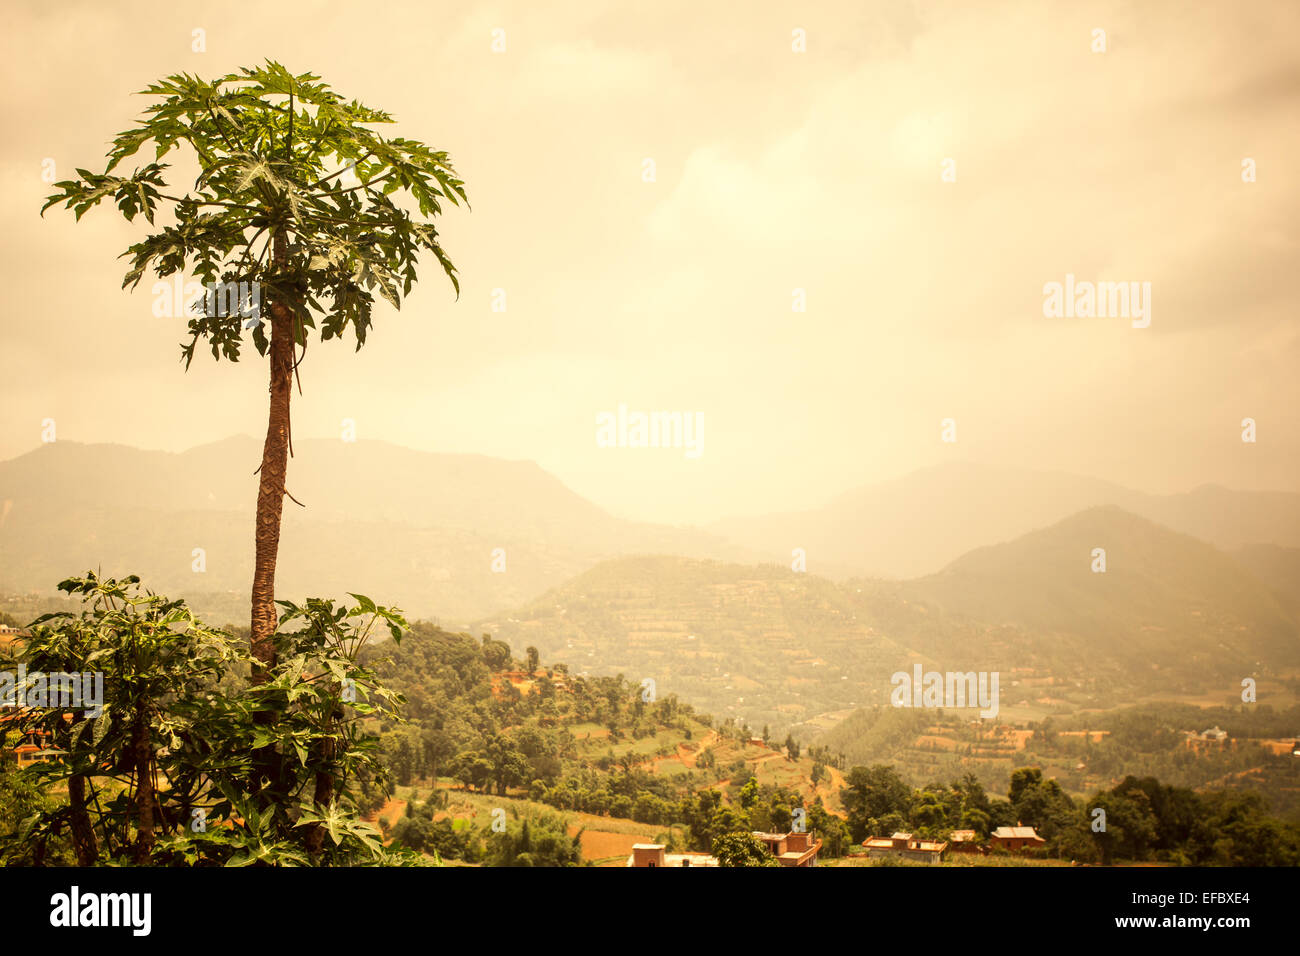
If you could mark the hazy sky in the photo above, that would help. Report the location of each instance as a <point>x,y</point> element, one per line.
<point>775,170</point>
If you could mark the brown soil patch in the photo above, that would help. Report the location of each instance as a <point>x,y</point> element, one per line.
<point>598,844</point>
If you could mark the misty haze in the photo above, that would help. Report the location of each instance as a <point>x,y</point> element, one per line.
<point>862,436</point>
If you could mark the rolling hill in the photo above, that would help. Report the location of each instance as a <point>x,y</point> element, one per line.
<point>1166,602</point>
<point>762,643</point>
<point>1277,567</point>
<point>1170,614</point>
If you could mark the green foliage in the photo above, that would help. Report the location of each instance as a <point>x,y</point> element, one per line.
<point>540,840</point>
<point>1144,819</point>
<point>419,832</point>
<point>873,794</point>
<point>834,831</point>
<point>22,799</point>
<point>1147,820</point>
<point>742,849</point>
<point>178,710</point>
<point>466,725</point>
<point>496,653</point>
<point>1040,803</point>
<point>271,148</point>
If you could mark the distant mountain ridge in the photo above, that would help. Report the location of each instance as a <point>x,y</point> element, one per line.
<point>420,529</point>
<point>416,529</point>
<point>915,525</point>
<point>1164,599</point>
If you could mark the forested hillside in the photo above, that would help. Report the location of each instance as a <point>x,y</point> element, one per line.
<point>595,745</point>
<point>1168,615</point>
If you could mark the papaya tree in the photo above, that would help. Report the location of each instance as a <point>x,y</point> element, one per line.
<point>298,215</point>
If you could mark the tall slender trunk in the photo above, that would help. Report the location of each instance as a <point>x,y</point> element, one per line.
<point>270,507</point>
<point>144,795</point>
<point>275,463</point>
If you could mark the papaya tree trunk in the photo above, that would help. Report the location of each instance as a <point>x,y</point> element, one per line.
<point>275,463</point>
<point>83,833</point>
<point>144,796</point>
<point>323,796</point>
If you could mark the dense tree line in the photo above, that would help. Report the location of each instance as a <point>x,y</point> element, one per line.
<point>1141,819</point>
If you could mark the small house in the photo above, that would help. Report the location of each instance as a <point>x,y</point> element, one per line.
<point>651,855</point>
<point>1015,839</point>
<point>904,846</point>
